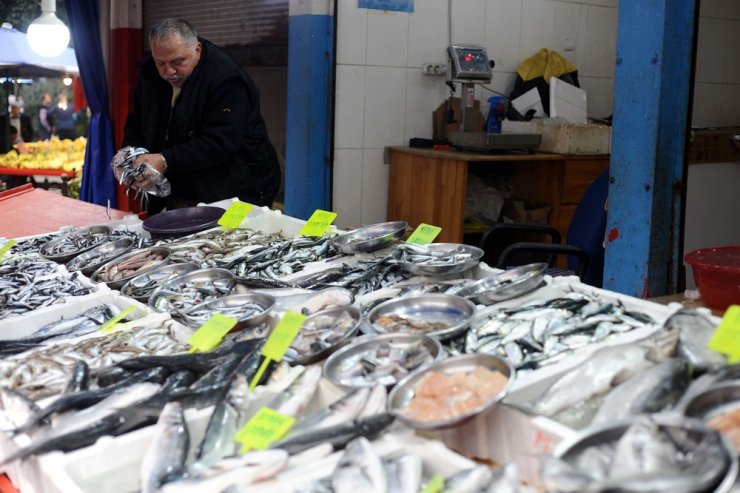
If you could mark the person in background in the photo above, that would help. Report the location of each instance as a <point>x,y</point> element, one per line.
<point>46,127</point>
<point>22,122</point>
<point>64,118</point>
<point>197,112</point>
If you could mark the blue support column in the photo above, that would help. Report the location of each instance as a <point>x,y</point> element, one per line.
<point>310,107</point>
<point>647,173</point>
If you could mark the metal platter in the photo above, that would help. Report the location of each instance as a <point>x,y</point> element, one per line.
<point>88,262</point>
<point>316,321</point>
<point>249,309</point>
<point>505,285</point>
<point>134,288</point>
<point>62,250</point>
<point>219,281</point>
<point>370,238</point>
<point>182,222</point>
<point>440,258</point>
<point>443,316</point>
<point>716,400</point>
<point>404,392</point>
<point>118,283</point>
<point>569,450</point>
<point>337,365</point>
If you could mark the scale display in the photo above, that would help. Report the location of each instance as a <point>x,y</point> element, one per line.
<point>469,63</point>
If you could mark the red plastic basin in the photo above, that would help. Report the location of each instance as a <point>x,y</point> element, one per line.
<point>717,275</point>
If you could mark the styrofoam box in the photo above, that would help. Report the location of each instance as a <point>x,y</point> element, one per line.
<point>508,433</point>
<point>24,325</point>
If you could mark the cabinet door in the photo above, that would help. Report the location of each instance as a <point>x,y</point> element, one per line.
<point>577,177</point>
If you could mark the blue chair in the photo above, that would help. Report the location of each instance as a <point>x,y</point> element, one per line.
<point>584,240</point>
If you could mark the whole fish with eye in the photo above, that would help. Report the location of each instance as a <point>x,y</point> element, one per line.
<point>165,456</point>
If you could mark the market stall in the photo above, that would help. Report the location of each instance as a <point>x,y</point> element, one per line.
<point>279,355</point>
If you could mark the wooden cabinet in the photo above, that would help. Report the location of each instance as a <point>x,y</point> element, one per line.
<point>430,186</point>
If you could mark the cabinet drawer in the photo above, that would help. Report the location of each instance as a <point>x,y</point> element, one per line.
<point>578,175</point>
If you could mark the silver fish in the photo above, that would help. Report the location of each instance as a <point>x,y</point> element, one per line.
<point>165,456</point>
<point>359,470</point>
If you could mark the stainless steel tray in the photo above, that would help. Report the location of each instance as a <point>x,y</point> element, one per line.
<point>370,238</point>
<point>229,305</point>
<point>438,254</point>
<point>88,262</point>
<point>203,276</point>
<point>322,354</point>
<point>159,274</point>
<point>101,232</point>
<point>118,283</point>
<point>505,285</point>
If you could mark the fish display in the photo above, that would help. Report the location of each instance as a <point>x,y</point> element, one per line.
<point>75,241</point>
<point>321,332</point>
<point>28,283</point>
<point>541,332</point>
<point>128,267</point>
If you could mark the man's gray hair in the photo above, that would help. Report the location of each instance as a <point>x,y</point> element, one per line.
<point>165,28</point>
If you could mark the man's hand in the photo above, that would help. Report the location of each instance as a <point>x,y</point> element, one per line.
<point>156,161</point>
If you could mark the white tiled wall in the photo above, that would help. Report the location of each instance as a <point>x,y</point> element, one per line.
<point>382,99</point>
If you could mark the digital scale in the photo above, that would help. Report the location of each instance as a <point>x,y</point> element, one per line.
<point>469,65</point>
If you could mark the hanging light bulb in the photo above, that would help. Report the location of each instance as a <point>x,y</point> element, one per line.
<point>47,35</point>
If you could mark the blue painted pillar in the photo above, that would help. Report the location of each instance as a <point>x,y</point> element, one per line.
<point>647,173</point>
<point>310,107</point>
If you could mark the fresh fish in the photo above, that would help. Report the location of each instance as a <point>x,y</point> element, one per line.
<point>605,368</point>
<point>238,471</point>
<point>470,480</point>
<point>338,436</point>
<point>359,470</point>
<point>80,378</point>
<point>404,474</point>
<point>695,329</point>
<point>228,417</point>
<point>346,408</point>
<point>297,396</point>
<point>376,402</point>
<point>165,456</point>
<point>649,391</point>
<point>16,407</point>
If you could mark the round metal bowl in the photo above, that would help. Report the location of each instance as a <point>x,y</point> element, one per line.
<point>442,251</point>
<point>334,312</point>
<point>370,238</point>
<point>335,365</point>
<point>505,285</point>
<point>203,276</point>
<point>716,400</point>
<point>229,306</point>
<point>99,232</point>
<point>118,283</point>
<point>452,310</point>
<point>158,275</point>
<point>404,392</point>
<point>182,222</point>
<point>88,262</point>
<point>569,450</point>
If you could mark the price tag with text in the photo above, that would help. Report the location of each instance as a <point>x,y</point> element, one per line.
<point>235,214</point>
<point>210,334</point>
<point>265,427</point>
<point>726,338</point>
<point>279,341</point>
<point>111,324</point>
<point>318,223</point>
<point>424,234</point>
<point>6,248</point>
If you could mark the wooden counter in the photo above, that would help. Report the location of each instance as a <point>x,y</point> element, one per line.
<point>430,186</point>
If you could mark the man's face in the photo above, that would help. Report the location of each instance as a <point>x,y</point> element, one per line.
<point>15,111</point>
<point>47,99</point>
<point>174,59</point>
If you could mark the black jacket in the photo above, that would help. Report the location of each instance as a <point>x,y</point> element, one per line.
<point>216,143</point>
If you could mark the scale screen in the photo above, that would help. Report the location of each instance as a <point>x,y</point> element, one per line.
<point>469,63</point>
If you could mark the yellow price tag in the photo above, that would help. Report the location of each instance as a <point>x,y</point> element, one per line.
<point>210,334</point>
<point>726,338</point>
<point>435,485</point>
<point>318,223</point>
<point>235,214</point>
<point>6,248</point>
<point>111,324</point>
<point>424,234</point>
<point>265,427</point>
<point>279,341</point>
